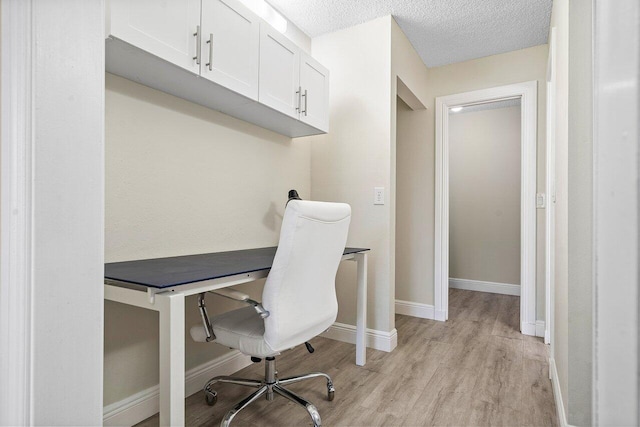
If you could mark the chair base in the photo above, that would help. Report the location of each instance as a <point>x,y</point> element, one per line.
<point>268,387</point>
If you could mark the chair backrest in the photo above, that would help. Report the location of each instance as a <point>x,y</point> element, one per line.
<point>300,291</point>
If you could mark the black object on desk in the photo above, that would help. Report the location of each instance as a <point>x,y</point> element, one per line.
<point>179,270</point>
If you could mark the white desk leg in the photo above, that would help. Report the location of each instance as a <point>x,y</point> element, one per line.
<point>361,321</point>
<point>171,358</point>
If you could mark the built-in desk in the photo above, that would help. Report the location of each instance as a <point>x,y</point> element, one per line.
<point>162,284</point>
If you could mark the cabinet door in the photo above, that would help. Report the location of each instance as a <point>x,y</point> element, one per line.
<point>230,46</point>
<point>279,72</point>
<point>163,28</point>
<point>314,80</point>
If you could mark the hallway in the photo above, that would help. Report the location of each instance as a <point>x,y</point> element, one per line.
<point>475,369</point>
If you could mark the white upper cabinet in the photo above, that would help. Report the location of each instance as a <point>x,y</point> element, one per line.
<point>230,46</point>
<point>221,55</point>
<point>279,72</point>
<point>165,28</point>
<point>314,81</point>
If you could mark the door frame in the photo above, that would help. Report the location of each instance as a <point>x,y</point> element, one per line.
<point>16,214</point>
<point>527,92</point>
<point>550,214</point>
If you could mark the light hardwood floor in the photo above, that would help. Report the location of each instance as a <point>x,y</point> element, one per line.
<point>474,370</point>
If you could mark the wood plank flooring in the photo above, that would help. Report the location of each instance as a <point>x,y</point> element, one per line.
<point>474,370</point>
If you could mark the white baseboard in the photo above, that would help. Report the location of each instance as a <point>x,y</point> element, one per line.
<point>133,409</point>
<point>142,405</point>
<point>481,286</point>
<point>528,329</point>
<point>379,340</point>
<point>533,329</point>
<point>540,328</point>
<point>427,311</point>
<point>226,364</point>
<point>415,309</point>
<point>557,394</point>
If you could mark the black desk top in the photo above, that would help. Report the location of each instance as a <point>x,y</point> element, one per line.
<point>179,270</point>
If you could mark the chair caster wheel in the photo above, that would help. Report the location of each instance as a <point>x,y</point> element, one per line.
<point>211,397</point>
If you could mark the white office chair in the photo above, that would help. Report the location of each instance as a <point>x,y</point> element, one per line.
<point>298,302</point>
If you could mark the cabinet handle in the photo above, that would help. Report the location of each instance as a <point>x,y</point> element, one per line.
<point>306,98</point>
<point>210,41</point>
<point>197,36</point>
<point>299,92</point>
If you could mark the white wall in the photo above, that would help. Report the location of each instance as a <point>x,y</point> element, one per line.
<point>573,328</point>
<point>359,153</point>
<point>68,214</point>
<point>54,202</point>
<point>484,195</point>
<point>353,158</point>
<point>616,213</point>
<point>183,179</point>
<point>560,20</point>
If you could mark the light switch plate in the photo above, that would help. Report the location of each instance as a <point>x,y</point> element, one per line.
<point>378,195</point>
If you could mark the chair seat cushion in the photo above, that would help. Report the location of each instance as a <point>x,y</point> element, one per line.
<point>242,329</point>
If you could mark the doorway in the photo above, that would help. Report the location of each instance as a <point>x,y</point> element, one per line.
<point>525,94</point>
<point>484,215</point>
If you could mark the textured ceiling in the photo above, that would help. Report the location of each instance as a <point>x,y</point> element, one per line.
<point>442,31</point>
